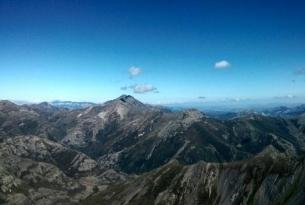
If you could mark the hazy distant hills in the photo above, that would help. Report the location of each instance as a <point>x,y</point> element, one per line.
<point>284,111</point>
<point>231,109</point>
<point>221,112</point>
<point>127,152</point>
<point>71,105</point>
<point>278,111</point>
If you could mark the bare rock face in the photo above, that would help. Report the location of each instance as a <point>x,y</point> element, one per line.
<point>35,170</point>
<point>96,121</point>
<point>25,181</point>
<point>44,150</point>
<point>191,116</point>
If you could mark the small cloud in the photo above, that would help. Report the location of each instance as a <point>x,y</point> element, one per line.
<point>222,64</point>
<point>140,88</point>
<point>134,71</point>
<point>300,71</point>
<point>124,88</point>
<point>201,97</point>
<point>144,88</point>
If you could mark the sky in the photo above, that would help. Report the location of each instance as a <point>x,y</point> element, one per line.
<point>158,51</point>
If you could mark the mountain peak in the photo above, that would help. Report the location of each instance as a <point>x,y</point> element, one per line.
<point>128,99</point>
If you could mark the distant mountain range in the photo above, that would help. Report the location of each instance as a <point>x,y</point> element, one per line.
<point>71,105</point>
<point>126,152</point>
<point>279,111</point>
<point>222,112</point>
<point>284,111</point>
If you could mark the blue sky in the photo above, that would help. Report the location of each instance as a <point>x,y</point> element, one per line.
<point>158,51</point>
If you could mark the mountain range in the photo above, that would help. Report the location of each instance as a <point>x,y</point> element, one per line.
<point>126,152</point>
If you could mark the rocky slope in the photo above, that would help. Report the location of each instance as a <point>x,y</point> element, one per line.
<point>34,170</point>
<point>265,179</point>
<point>126,152</point>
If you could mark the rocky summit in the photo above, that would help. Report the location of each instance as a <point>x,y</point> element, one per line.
<point>125,152</point>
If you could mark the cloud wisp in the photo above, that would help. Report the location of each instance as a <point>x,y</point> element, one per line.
<point>141,88</point>
<point>223,64</point>
<point>134,71</point>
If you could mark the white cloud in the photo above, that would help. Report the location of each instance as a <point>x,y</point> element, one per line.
<point>143,88</point>
<point>134,71</point>
<point>223,64</point>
